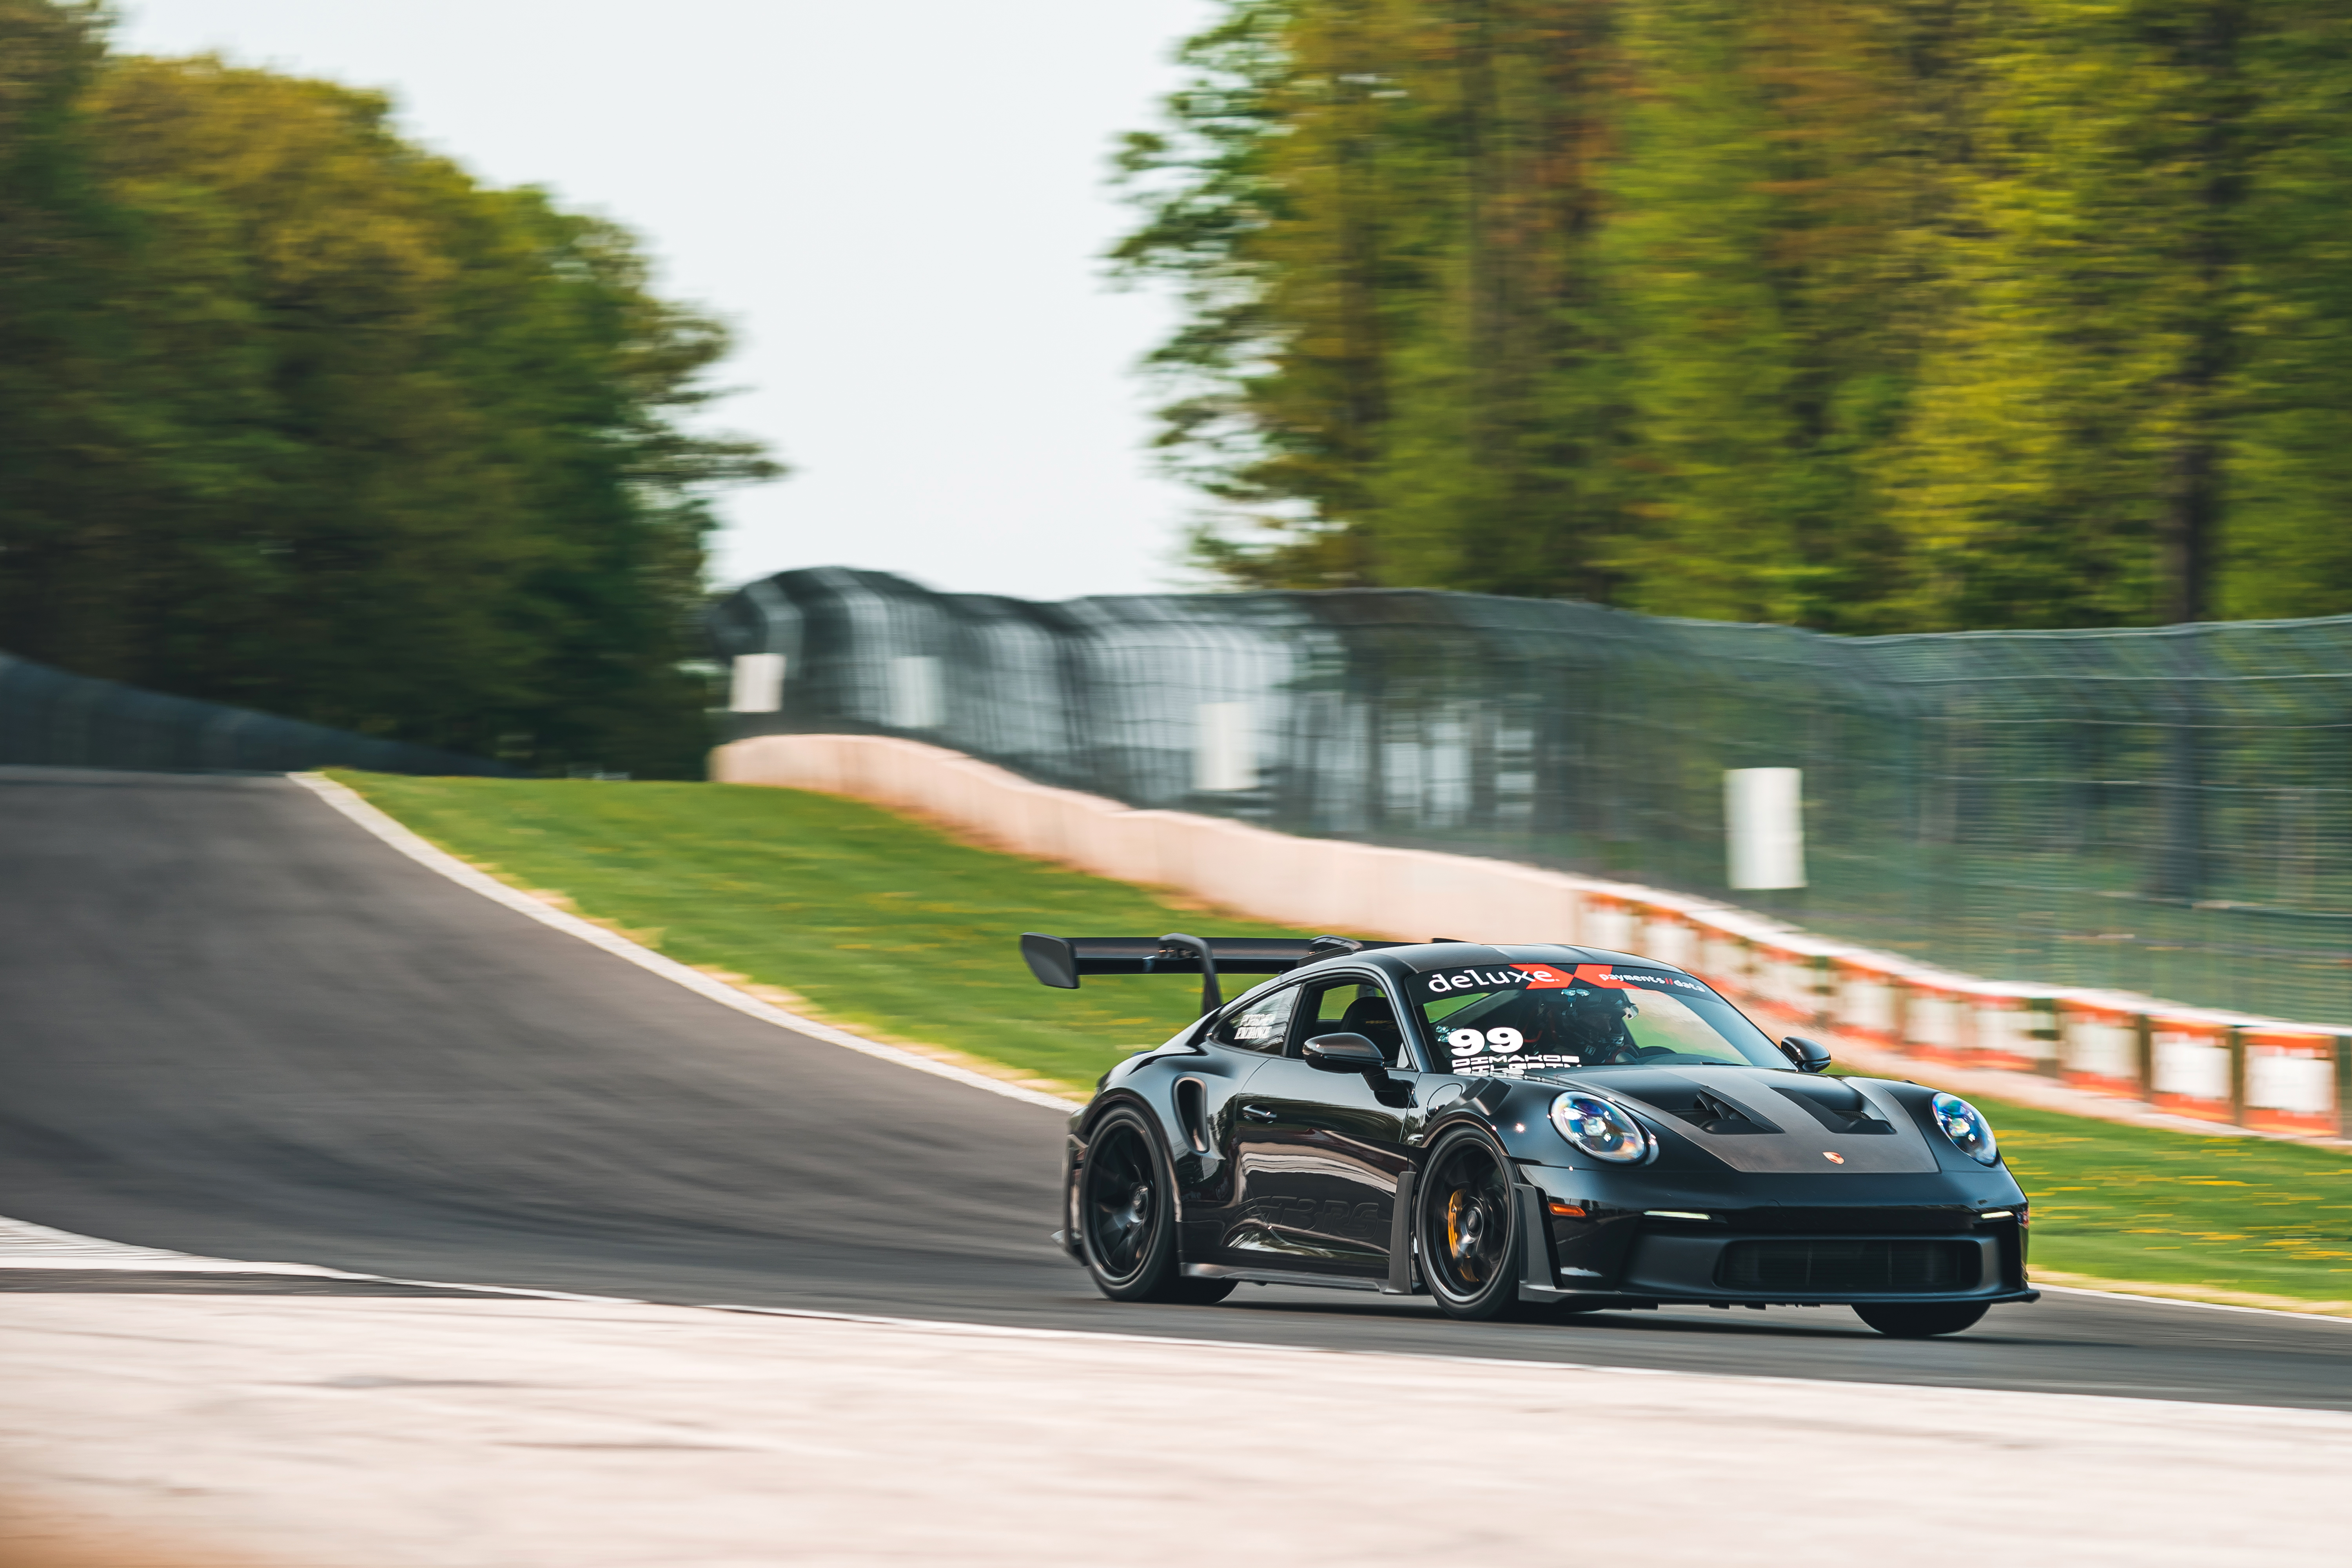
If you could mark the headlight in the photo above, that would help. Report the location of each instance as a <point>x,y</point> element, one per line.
<point>1965,1125</point>
<point>1601,1129</point>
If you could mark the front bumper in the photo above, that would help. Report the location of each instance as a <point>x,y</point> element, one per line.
<point>1770,1256</point>
<point>1797,1271</point>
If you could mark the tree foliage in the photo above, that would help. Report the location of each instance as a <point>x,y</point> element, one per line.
<point>296,415</point>
<point>1864,314</point>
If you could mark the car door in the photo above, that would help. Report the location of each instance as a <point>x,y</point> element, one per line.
<point>1244,1040</point>
<point>1317,1154</point>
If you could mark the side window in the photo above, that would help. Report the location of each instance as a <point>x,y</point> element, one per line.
<point>1351,1006</point>
<point>1259,1027</point>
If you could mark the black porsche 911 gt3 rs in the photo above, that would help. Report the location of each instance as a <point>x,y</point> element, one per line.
<point>1518,1131</point>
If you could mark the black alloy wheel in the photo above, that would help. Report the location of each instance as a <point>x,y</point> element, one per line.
<point>1468,1229</point>
<point>1126,1215</point>
<point>1920,1319</point>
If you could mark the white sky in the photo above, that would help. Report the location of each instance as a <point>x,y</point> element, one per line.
<point>897,206</point>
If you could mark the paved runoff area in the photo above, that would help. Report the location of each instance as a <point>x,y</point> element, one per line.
<point>322,1432</point>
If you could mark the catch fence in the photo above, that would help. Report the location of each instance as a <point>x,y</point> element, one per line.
<point>2166,811</point>
<point>53,719</point>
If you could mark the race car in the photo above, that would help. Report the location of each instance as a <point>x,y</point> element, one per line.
<point>1518,1132</point>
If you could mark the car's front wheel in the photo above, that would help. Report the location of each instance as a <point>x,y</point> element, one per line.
<point>1922,1319</point>
<point>1125,1209</point>
<point>1467,1228</point>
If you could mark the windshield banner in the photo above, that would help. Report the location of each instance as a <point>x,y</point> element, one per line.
<point>1555,977</point>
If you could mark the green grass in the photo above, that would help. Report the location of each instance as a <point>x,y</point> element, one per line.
<point>2119,1202</point>
<point>880,922</point>
<point>888,925</point>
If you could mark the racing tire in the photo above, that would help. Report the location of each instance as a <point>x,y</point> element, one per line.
<point>1922,1319</point>
<point>1123,1204</point>
<point>1466,1229</point>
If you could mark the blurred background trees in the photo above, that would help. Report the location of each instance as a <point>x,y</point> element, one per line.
<point>1870,315</point>
<point>296,415</point>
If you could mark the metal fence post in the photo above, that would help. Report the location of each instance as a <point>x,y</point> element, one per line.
<point>2237,1077</point>
<point>2344,1085</point>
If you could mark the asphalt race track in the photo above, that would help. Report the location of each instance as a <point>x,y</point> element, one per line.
<point>233,1024</point>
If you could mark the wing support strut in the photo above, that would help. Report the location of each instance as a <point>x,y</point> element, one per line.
<point>1176,941</point>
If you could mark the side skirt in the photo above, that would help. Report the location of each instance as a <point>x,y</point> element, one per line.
<point>1280,1277</point>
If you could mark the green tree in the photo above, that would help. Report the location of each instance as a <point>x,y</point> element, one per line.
<point>1778,160</point>
<point>1378,213</point>
<point>57,236</point>
<point>2068,413</point>
<point>1497,471</point>
<point>1870,315</point>
<point>361,440</point>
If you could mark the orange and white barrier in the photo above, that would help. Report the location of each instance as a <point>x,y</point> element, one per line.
<point>1868,999</point>
<point>2013,1027</point>
<point>1785,979</point>
<point>2268,1073</point>
<point>2291,1077</point>
<point>1725,957</point>
<point>2195,1063</point>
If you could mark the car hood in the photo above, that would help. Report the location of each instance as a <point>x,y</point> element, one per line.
<point>1769,1122</point>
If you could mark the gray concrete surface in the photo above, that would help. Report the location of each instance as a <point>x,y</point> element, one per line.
<point>237,1026</point>
<point>373,1433</point>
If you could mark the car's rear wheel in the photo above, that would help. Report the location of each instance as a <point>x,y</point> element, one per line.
<point>1468,1229</point>
<point>1124,1210</point>
<point>1920,1319</point>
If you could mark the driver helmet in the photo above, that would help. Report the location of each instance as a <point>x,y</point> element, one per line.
<point>1593,1018</point>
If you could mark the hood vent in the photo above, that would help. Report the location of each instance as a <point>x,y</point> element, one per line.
<point>1702,1107</point>
<point>1720,1112</point>
<point>1712,1113</point>
<point>1838,1107</point>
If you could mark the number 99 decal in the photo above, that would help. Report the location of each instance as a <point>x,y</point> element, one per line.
<point>1470,1042</point>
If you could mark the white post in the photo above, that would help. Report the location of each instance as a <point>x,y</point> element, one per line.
<point>1224,752</point>
<point>915,692</point>
<point>758,683</point>
<point>1764,823</point>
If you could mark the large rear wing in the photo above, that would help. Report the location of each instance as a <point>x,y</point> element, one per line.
<point>1059,960</point>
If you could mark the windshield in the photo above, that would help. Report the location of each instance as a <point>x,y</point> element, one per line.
<point>1518,1018</point>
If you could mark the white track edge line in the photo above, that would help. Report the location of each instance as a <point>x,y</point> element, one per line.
<point>24,1245</point>
<point>1263,1347</point>
<point>1014,1330</point>
<point>375,821</point>
<point>2206,1306</point>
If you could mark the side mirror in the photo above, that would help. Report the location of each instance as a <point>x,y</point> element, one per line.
<point>1809,1057</point>
<point>1344,1053</point>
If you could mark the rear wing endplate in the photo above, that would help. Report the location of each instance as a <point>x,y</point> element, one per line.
<point>1059,960</point>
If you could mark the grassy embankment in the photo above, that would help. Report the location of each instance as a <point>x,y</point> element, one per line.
<point>864,918</point>
<point>894,928</point>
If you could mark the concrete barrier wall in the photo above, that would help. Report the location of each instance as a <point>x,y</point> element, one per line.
<point>2271,1073</point>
